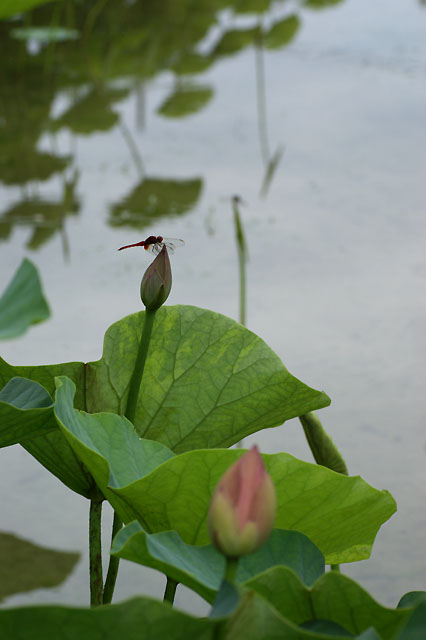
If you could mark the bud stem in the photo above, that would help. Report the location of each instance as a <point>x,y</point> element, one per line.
<point>134,386</point>
<point>113,564</point>
<point>136,379</point>
<point>95,552</point>
<point>170,590</point>
<point>231,569</point>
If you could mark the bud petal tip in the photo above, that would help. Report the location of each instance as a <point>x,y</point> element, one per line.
<point>243,506</point>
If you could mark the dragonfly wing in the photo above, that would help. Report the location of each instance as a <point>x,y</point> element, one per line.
<point>173,243</point>
<point>155,248</point>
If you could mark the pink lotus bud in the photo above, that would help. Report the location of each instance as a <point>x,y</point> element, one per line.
<point>242,508</point>
<point>157,281</point>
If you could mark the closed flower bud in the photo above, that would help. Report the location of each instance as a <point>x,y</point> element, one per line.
<point>243,506</point>
<point>157,282</point>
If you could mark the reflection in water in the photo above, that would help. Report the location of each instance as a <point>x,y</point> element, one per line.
<point>120,48</point>
<point>185,101</point>
<point>280,34</point>
<point>25,566</point>
<point>92,112</point>
<point>153,198</point>
<point>45,217</point>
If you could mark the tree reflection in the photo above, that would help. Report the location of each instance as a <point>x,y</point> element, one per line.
<point>153,198</point>
<point>39,567</point>
<point>122,46</point>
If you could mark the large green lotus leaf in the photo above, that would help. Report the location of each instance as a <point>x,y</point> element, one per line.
<point>45,376</point>
<point>25,566</point>
<point>185,101</point>
<point>55,454</point>
<point>136,619</point>
<point>411,599</point>
<point>50,448</point>
<point>244,385</point>
<point>208,381</point>
<point>415,627</point>
<point>26,411</point>
<point>333,597</point>
<point>256,619</point>
<point>107,444</point>
<point>281,33</point>
<point>148,619</point>
<point>202,568</point>
<point>23,303</point>
<point>340,514</point>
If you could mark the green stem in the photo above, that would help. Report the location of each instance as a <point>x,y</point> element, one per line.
<point>136,379</point>
<point>113,564</point>
<point>231,569</point>
<point>170,590</point>
<point>95,552</point>
<point>335,567</point>
<point>132,399</point>
<point>242,258</point>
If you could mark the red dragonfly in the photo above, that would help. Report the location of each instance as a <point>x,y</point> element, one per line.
<point>156,243</point>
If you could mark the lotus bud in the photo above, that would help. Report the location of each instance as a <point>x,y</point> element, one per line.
<point>157,282</point>
<point>243,506</point>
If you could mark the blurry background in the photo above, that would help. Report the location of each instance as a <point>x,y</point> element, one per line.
<point>120,119</point>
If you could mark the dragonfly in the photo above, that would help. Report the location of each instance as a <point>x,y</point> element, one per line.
<point>156,243</point>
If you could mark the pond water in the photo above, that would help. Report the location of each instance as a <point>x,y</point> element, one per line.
<point>149,122</point>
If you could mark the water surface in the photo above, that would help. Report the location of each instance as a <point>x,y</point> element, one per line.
<point>103,143</point>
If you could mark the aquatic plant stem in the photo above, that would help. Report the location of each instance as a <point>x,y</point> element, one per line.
<point>242,258</point>
<point>170,590</point>
<point>135,383</point>
<point>113,564</point>
<point>136,379</point>
<point>231,569</point>
<point>134,387</point>
<point>95,552</point>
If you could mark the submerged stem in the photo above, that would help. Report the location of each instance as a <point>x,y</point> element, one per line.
<point>113,564</point>
<point>95,552</point>
<point>136,379</point>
